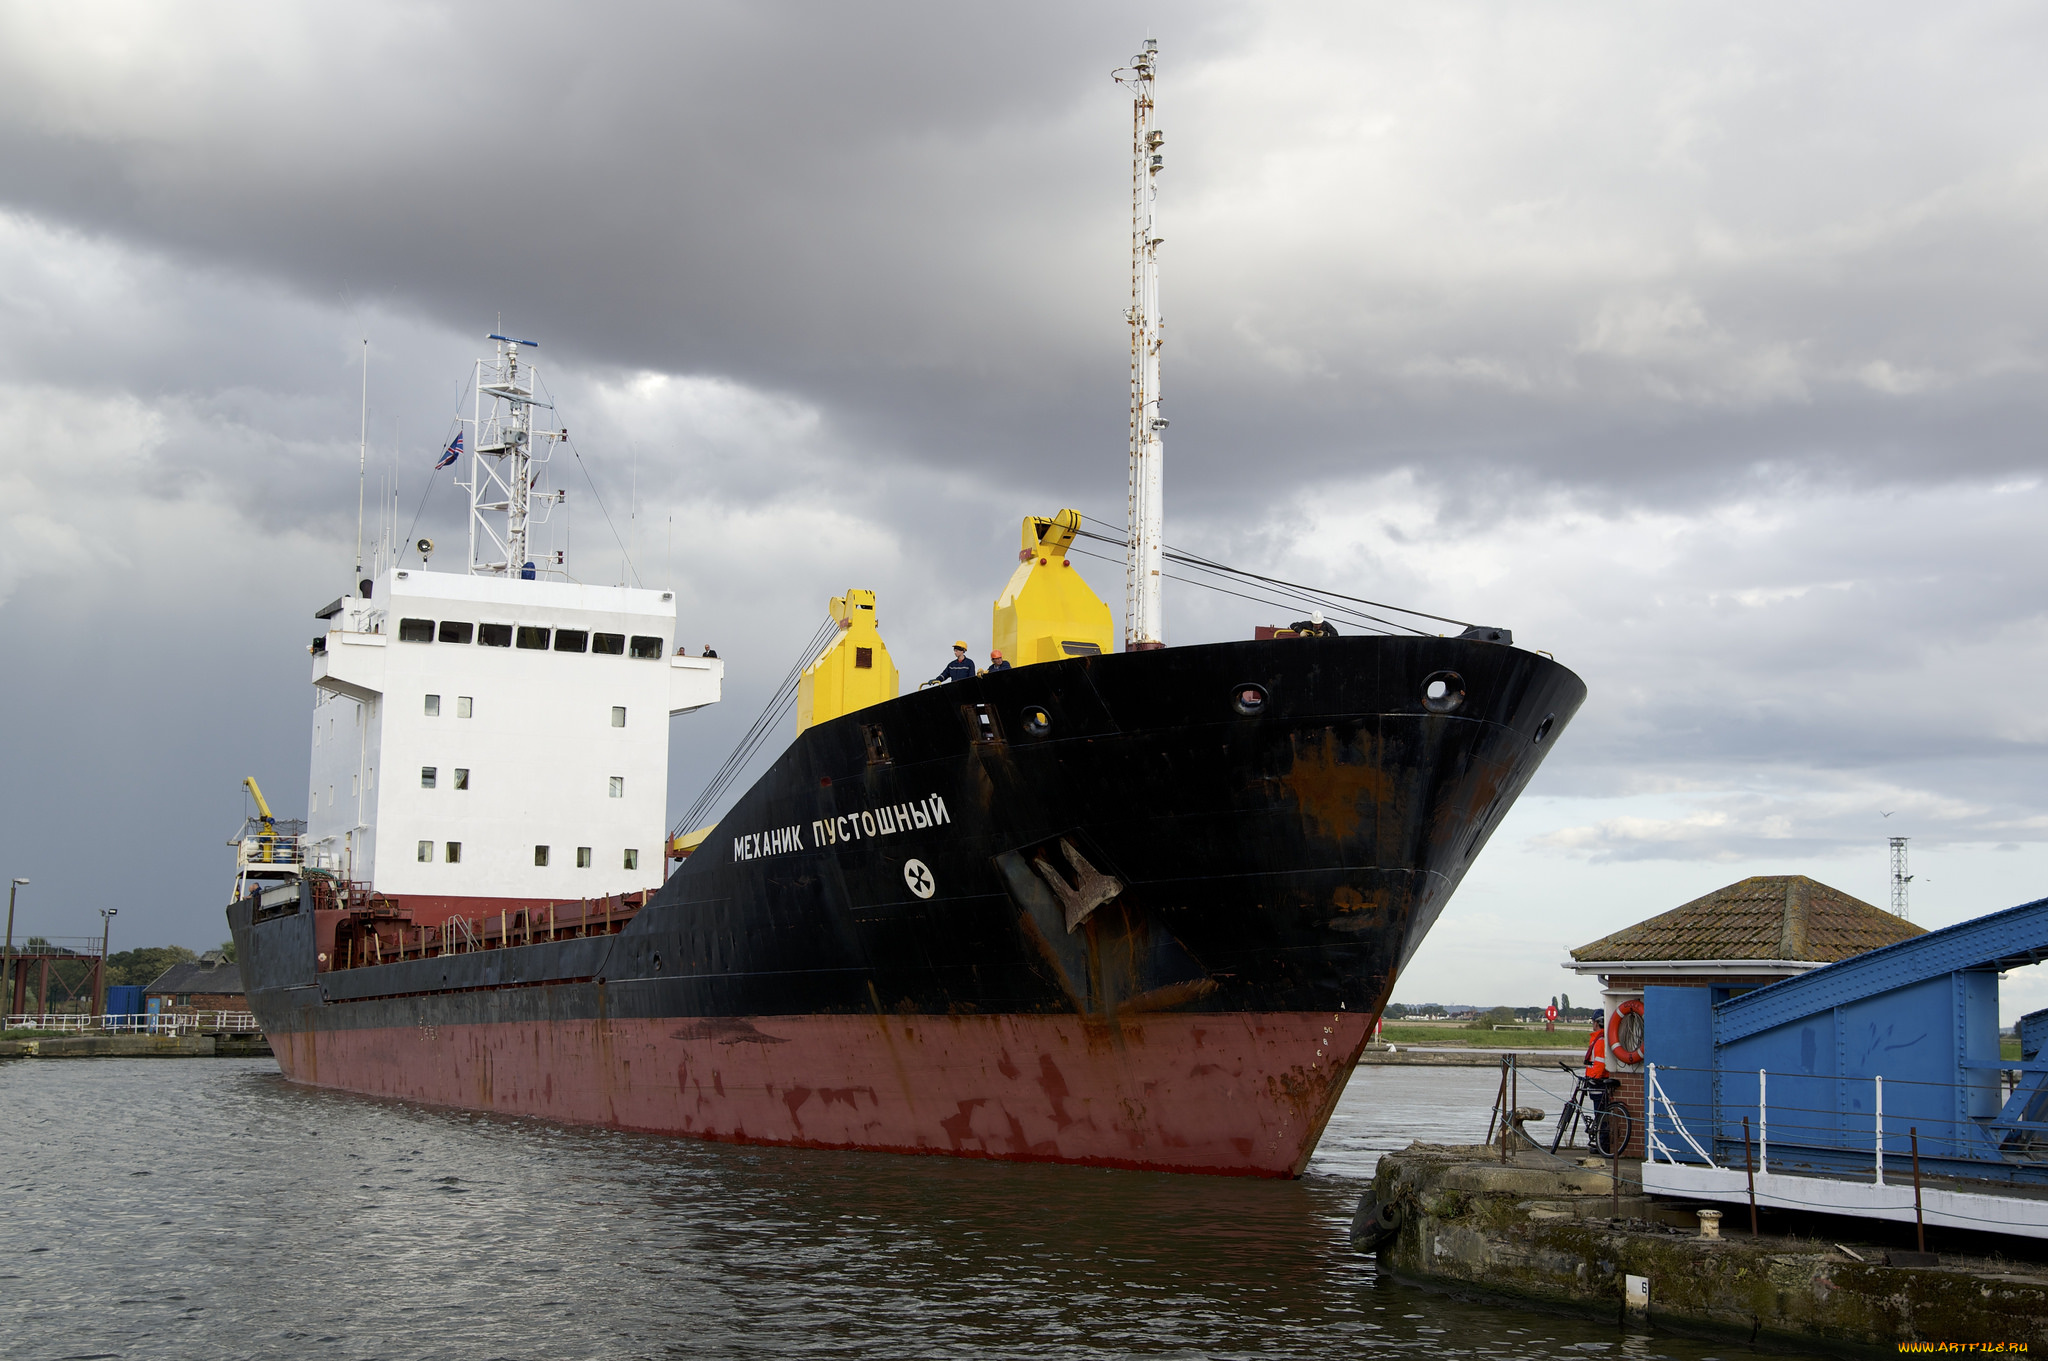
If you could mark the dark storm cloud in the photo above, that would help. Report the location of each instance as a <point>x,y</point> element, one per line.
<point>1624,255</point>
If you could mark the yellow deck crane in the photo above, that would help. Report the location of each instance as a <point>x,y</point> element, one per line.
<point>268,840</point>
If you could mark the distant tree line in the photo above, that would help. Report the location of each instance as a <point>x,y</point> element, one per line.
<point>1489,1016</point>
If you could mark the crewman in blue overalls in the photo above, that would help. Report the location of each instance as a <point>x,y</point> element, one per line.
<point>959,668</point>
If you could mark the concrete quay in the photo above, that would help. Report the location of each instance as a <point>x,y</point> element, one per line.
<point>1547,1231</point>
<point>138,1047</point>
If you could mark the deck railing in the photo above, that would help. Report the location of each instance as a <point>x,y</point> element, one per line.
<point>136,1023</point>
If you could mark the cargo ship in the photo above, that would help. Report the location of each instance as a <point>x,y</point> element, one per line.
<point>1133,906</point>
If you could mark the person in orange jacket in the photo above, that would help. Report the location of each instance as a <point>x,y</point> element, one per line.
<point>1596,1048</point>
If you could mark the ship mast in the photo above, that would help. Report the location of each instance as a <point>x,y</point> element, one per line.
<point>1144,609</point>
<point>504,465</point>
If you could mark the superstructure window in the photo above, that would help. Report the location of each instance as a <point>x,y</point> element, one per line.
<point>540,857</point>
<point>864,658</point>
<point>426,852</point>
<point>454,853</point>
<point>583,857</point>
<point>610,644</point>
<point>572,640</point>
<point>433,706</point>
<point>415,630</point>
<point>618,715</point>
<point>453,631</point>
<point>427,777</point>
<point>645,647</point>
<point>464,706</point>
<point>533,639</point>
<point>618,786</point>
<point>632,860</point>
<point>462,777</point>
<point>494,635</point>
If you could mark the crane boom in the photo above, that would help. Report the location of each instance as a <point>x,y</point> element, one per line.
<point>262,804</point>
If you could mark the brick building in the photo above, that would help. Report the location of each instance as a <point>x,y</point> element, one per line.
<point>209,983</point>
<point>1765,928</point>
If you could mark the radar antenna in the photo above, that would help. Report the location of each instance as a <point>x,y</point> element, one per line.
<point>1144,610</point>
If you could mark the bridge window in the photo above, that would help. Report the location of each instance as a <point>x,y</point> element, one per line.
<point>464,706</point>
<point>618,786</point>
<point>645,647</point>
<point>455,632</point>
<point>454,855</point>
<point>618,715</point>
<point>426,852</point>
<point>433,706</point>
<point>632,860</point>
<point>540,857</point>
<point>583,857</point>
<point>533,639</point>
<point>610,644</point>
<point>415,630</point>
<point>462,777</point>
<point>572,640</point>
<point>494,635</point>
<point>427,776</point>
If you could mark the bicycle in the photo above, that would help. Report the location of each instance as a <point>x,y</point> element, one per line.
<point>1608,1123</point>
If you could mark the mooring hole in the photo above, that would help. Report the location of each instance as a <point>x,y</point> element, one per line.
<point>1037,722</point>
<point>1249,699</point>
<point>1443,692</point>
<point>1543,728</point>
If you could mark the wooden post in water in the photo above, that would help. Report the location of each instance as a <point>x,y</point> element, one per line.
<point>1919,1224</point>
<point>1495,1113</point>
<point>1514,1092</point>
<point>1749,1170</point>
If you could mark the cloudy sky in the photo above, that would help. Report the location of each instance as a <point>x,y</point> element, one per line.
<point>1704,348</point>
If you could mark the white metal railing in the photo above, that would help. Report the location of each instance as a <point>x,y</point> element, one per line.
<point>139,1023</point>
<point>257,851</point>
<point>1652,1145</point>
<point>1825,1115</point>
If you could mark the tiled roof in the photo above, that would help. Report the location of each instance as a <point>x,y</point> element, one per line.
<point>1770,916</point>
<point>197,976</point>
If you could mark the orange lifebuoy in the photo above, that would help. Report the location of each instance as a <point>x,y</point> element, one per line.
<point>1618,1045</point>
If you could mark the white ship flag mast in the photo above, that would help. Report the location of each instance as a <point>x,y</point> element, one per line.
<point>506,468</point>
<point>1144,609</point>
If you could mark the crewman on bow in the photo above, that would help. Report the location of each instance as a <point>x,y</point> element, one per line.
<point>959,668</point>
<point>996,662</point>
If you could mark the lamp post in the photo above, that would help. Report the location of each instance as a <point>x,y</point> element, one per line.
<point>7,980</point>
<point>99,1001</point>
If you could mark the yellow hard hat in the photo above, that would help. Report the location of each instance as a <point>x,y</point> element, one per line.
<point>961,644</point>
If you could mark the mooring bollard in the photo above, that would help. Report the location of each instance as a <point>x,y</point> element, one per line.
<point>1710,1223</point>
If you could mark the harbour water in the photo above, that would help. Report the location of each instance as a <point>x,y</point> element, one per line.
<point>205,1208</point>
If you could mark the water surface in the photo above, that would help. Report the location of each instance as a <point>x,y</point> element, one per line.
<point>206,1208</point>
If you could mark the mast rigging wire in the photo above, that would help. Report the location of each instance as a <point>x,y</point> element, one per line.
<point>634,567</point>
<point>1314,595</point>
<point>770,718</point>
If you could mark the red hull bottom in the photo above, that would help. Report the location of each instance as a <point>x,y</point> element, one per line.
<point>1238,1095</point>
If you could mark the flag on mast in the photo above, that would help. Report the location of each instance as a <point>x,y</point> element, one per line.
<point>451,453</point>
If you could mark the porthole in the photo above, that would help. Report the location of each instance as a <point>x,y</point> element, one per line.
<point>1249,699</point>
<point>1443,692</point>
<point>1543,728</point>
<point>1037,722</point>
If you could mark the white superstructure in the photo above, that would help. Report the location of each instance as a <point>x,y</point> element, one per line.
<point>495,734</point>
